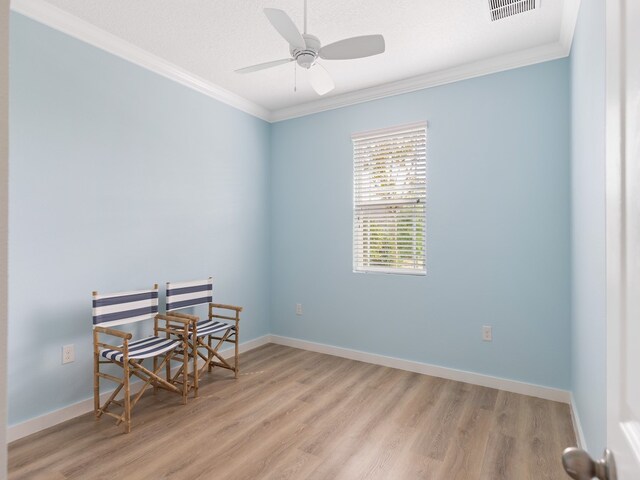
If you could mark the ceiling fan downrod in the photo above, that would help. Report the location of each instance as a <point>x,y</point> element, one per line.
<point>305,16</point>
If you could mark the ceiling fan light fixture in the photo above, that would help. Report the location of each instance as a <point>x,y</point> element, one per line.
<point>306,57</point>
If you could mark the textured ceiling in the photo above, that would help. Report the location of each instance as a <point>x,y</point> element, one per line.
<point>212,38</point>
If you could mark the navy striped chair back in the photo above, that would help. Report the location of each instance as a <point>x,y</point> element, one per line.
<point>124,307</point>
<point>189,294</point>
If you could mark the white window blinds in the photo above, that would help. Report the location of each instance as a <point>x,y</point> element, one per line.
<point>389,177</point>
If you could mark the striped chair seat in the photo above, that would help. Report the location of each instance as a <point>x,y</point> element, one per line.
<point>209,327</point>
<point>144,348</point>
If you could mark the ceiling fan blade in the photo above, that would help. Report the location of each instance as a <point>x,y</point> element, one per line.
<point>320,79</point>
<point>262,66</point>
<point>285,27</point>
<point>354,47</point>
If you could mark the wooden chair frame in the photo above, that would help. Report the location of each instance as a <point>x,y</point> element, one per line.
<point>203,347</point>
<point>174,326</point>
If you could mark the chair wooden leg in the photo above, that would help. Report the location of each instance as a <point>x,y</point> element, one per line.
<point>155,359</point>
<point>236,364</point>
<point>168,370</point>
<point>96,385</point>
<point>96,374</point>
<point>127,397</point>
<point>209,367</point>
<point>185,372</point>
<point>196,370</point>
<point>155,368</point>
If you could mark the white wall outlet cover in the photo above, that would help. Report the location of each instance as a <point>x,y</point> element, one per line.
<point>68,354</point>
<point>487,334</point>
<point>298,309</point>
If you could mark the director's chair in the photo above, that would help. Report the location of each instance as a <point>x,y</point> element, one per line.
<point>126,308</point>
<point>206,337</point>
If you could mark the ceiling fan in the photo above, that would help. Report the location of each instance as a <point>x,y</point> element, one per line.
<point>305,49</point>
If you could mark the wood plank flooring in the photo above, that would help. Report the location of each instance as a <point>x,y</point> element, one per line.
<point>295,414</point>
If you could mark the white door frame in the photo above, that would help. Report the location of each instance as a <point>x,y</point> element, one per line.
<point>4,213</point>
<point>622,195</point>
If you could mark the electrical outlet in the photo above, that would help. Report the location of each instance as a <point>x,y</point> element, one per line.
<point>487,334</point>
<point>298,309</point>
<point>68,354</point>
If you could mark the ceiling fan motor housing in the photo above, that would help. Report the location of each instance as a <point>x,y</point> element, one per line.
<point>306,57</point>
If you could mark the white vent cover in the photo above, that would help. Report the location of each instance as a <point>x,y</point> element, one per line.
<point>506,8</point>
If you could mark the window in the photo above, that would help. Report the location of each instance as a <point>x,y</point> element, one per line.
<point>389,192</point>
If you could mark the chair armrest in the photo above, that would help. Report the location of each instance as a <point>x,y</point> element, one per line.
<point>193,318</point>
<point>173,318</point>
<point>115,333</point>
<point>170,327</point>
<point>226,307</point>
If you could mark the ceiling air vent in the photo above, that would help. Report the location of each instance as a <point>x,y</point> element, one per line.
<point>507,8</point>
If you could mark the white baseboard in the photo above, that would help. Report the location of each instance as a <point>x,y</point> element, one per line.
<point>547,393</point>
<point>577,425</point>
<point>47,420</point>
<point>42,422</point>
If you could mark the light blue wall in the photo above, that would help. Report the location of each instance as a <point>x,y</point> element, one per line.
<point>498,221</point>
<point>108,161</point>
<point>588,222</point>
<point>119,179</point>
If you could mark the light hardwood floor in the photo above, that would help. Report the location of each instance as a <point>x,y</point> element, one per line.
<point>295,414</point>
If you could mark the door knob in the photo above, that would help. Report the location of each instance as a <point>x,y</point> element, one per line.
<point>580,466</point>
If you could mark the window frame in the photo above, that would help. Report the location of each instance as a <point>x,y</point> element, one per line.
<point>395,133</point>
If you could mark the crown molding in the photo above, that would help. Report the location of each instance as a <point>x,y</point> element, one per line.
<point>464,72</point>
<point>73,26</point>
<point>58,19</point>
<point>553,51</point>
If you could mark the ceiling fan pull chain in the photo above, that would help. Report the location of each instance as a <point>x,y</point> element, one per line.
<point>305,17</point>
<point>295,77</point>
